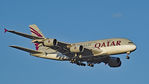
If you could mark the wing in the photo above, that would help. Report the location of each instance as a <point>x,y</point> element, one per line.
<point>25,49</point>
<point>63,48</point>
<point>23,34</point>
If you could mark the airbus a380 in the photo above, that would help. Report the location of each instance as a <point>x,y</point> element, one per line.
<point>90,53</point>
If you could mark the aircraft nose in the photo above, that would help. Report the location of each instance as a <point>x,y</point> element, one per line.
<point>134,47</point>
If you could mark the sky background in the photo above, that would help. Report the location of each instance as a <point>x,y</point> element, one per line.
<point>74,21</point>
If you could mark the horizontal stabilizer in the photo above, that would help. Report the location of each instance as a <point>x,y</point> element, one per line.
<point>23,34</point>
<point>25,49</point>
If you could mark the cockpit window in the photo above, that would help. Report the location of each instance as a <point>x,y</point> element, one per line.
<point>130,42</point>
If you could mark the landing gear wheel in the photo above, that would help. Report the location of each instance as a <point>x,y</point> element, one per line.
<point>83,64</point>
<point>127,57</point>
<point>80,64</point>
<point>91,65</point>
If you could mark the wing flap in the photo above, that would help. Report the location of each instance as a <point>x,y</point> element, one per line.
<point>25,49</point>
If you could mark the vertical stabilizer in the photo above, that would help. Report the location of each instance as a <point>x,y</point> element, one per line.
<point>35,31</point>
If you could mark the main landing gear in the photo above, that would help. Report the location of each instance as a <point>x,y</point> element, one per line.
<point>91,65</point>
<point>81,64</point>
<point>75,61</point>
<point>127,57</point>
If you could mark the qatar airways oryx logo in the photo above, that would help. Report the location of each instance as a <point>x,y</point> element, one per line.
<point>107,44</point>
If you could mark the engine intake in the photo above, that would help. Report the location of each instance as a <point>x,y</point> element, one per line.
<point>50,42</point>
<point>114,62</point>
<point>77,49</point>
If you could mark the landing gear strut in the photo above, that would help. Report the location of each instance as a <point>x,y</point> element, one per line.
<point>74,59</point>
<point>127,57</point>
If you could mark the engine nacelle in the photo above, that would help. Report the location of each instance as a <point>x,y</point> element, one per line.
<point>77,49</point>
<point>114,62</point>
<point>50,42</point>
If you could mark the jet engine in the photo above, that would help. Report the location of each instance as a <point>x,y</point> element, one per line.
<point>77,49</point>
<point>114,62</point>
<point>50,42</point>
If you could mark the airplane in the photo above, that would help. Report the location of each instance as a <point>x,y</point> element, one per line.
<point>82,53</point>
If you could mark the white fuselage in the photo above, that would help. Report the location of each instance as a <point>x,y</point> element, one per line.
<point>102,47</point>
<point>110,46</point>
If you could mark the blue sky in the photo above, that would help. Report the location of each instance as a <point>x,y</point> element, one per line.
<point>73,21</point>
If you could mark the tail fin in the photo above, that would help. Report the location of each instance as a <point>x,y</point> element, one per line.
<point>35,31</point>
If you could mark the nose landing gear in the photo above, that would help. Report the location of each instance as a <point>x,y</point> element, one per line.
<point>127,57</point>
